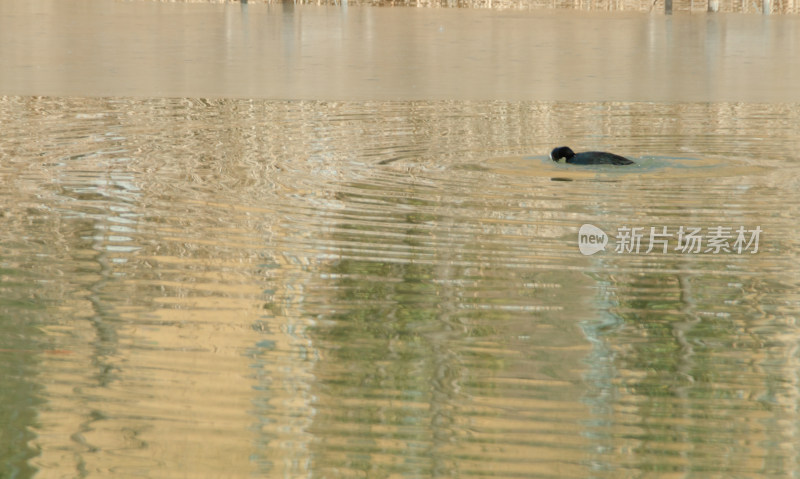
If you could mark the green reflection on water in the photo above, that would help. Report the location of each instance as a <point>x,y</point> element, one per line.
<point>20,345</point>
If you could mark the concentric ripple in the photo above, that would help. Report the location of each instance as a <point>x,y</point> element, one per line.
<point>207,288</point>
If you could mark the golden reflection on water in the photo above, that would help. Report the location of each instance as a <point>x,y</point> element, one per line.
<point>286,288</point>
<point>151,49</point>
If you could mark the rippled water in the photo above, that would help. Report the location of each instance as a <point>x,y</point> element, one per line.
<point>235,288</point>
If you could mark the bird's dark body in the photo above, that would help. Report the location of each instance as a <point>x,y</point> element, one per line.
<point>588,157</point>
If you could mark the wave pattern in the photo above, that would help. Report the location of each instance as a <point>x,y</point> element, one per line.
<point>332,289</point>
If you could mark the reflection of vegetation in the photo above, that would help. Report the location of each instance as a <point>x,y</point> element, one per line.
<point>684,354</point>
<point>422,312</point>
<point>394,339</point>
<point>391,310</point>
<point>19,392</point>
<point>387,341</point>
<point>18,403</point>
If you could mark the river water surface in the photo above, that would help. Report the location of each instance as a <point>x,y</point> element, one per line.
<point>355,274</point>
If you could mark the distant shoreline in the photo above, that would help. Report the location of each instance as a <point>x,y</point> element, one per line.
<point>775,7</point>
